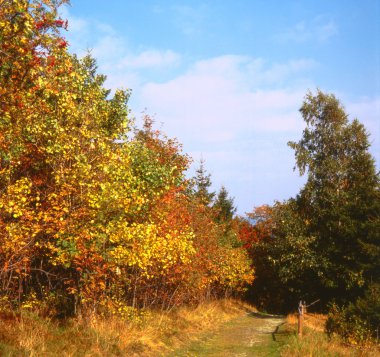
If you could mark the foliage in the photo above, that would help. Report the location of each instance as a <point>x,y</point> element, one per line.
<point>341,199</point>
<point>315,342</point>
<point>94,217</point>
<point>224,206</point>
<point>323,244</point>
<point>220,264</point>
<point>359,321</point>
<point>284,257</point>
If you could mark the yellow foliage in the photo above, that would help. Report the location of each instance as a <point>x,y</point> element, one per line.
<point>86,206</point>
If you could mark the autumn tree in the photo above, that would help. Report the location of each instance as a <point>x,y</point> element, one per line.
<point>222,267</point>
<point>156,274</point>
<point>58,131</point>
<point>93,216</point>
<point>222,264</point>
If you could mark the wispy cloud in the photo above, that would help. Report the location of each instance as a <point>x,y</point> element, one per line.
<point>320,29</point>
<point>236,111</point>
<point>277,74</point>
<point>150,58</point>
<point>123,64</point>
<point>189,19</point>
<point>221,98</point>
<point>220,112</point>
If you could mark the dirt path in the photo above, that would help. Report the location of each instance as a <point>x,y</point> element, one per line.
<point>252,335</point>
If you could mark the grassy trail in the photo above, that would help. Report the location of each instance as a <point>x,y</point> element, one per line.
<point>252,335</point>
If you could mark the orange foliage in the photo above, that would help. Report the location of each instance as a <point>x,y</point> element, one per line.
<point>92,217</point>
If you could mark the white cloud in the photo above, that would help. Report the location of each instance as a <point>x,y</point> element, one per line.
<point>228,110</point>
<point>215,100</point>
<point>150,58</point>
<point>236,111</point>
<point>123,65</point>
<point>108,49</point>
<point>280,72</point>
<point>114,54</point>
<point>320,29</point>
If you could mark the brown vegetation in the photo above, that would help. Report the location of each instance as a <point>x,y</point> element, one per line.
<point>151,333</point>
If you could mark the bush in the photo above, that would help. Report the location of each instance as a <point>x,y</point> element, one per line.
<point>357,322</point>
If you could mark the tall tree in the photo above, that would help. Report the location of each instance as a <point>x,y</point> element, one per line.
<point>340,201</point>
<point>325,243</point>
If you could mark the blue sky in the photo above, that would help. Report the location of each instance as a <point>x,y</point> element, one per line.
<point>227,77</point>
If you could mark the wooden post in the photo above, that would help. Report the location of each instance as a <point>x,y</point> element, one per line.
<point>301,311</point>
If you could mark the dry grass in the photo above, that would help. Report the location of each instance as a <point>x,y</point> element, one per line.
<point>23,333</point>
<point>155,334</point>
<point>311,321</point>
<point>315,343</point>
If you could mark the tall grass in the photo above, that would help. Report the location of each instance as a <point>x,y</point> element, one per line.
<point>152,333</point>
<point>315,342</point>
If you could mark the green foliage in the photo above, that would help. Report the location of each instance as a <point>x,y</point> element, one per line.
<point>284,257</point>
<point>359,321</point>
<point>325,243</point>
<point>292,251</point>
<point>341,198</point>
<point>224,206</point>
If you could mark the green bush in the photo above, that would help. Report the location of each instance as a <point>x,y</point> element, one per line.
<point>359,322</point>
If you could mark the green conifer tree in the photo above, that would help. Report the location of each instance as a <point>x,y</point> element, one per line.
<point>202,185</point>
<point>224,206</point>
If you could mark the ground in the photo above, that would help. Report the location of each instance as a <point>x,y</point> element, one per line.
<point>255,334</point>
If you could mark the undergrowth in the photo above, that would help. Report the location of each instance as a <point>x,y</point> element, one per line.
<point>154,333</point>
<point>316,343</point>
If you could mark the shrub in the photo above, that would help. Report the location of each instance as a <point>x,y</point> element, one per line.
<point>357,322</point>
